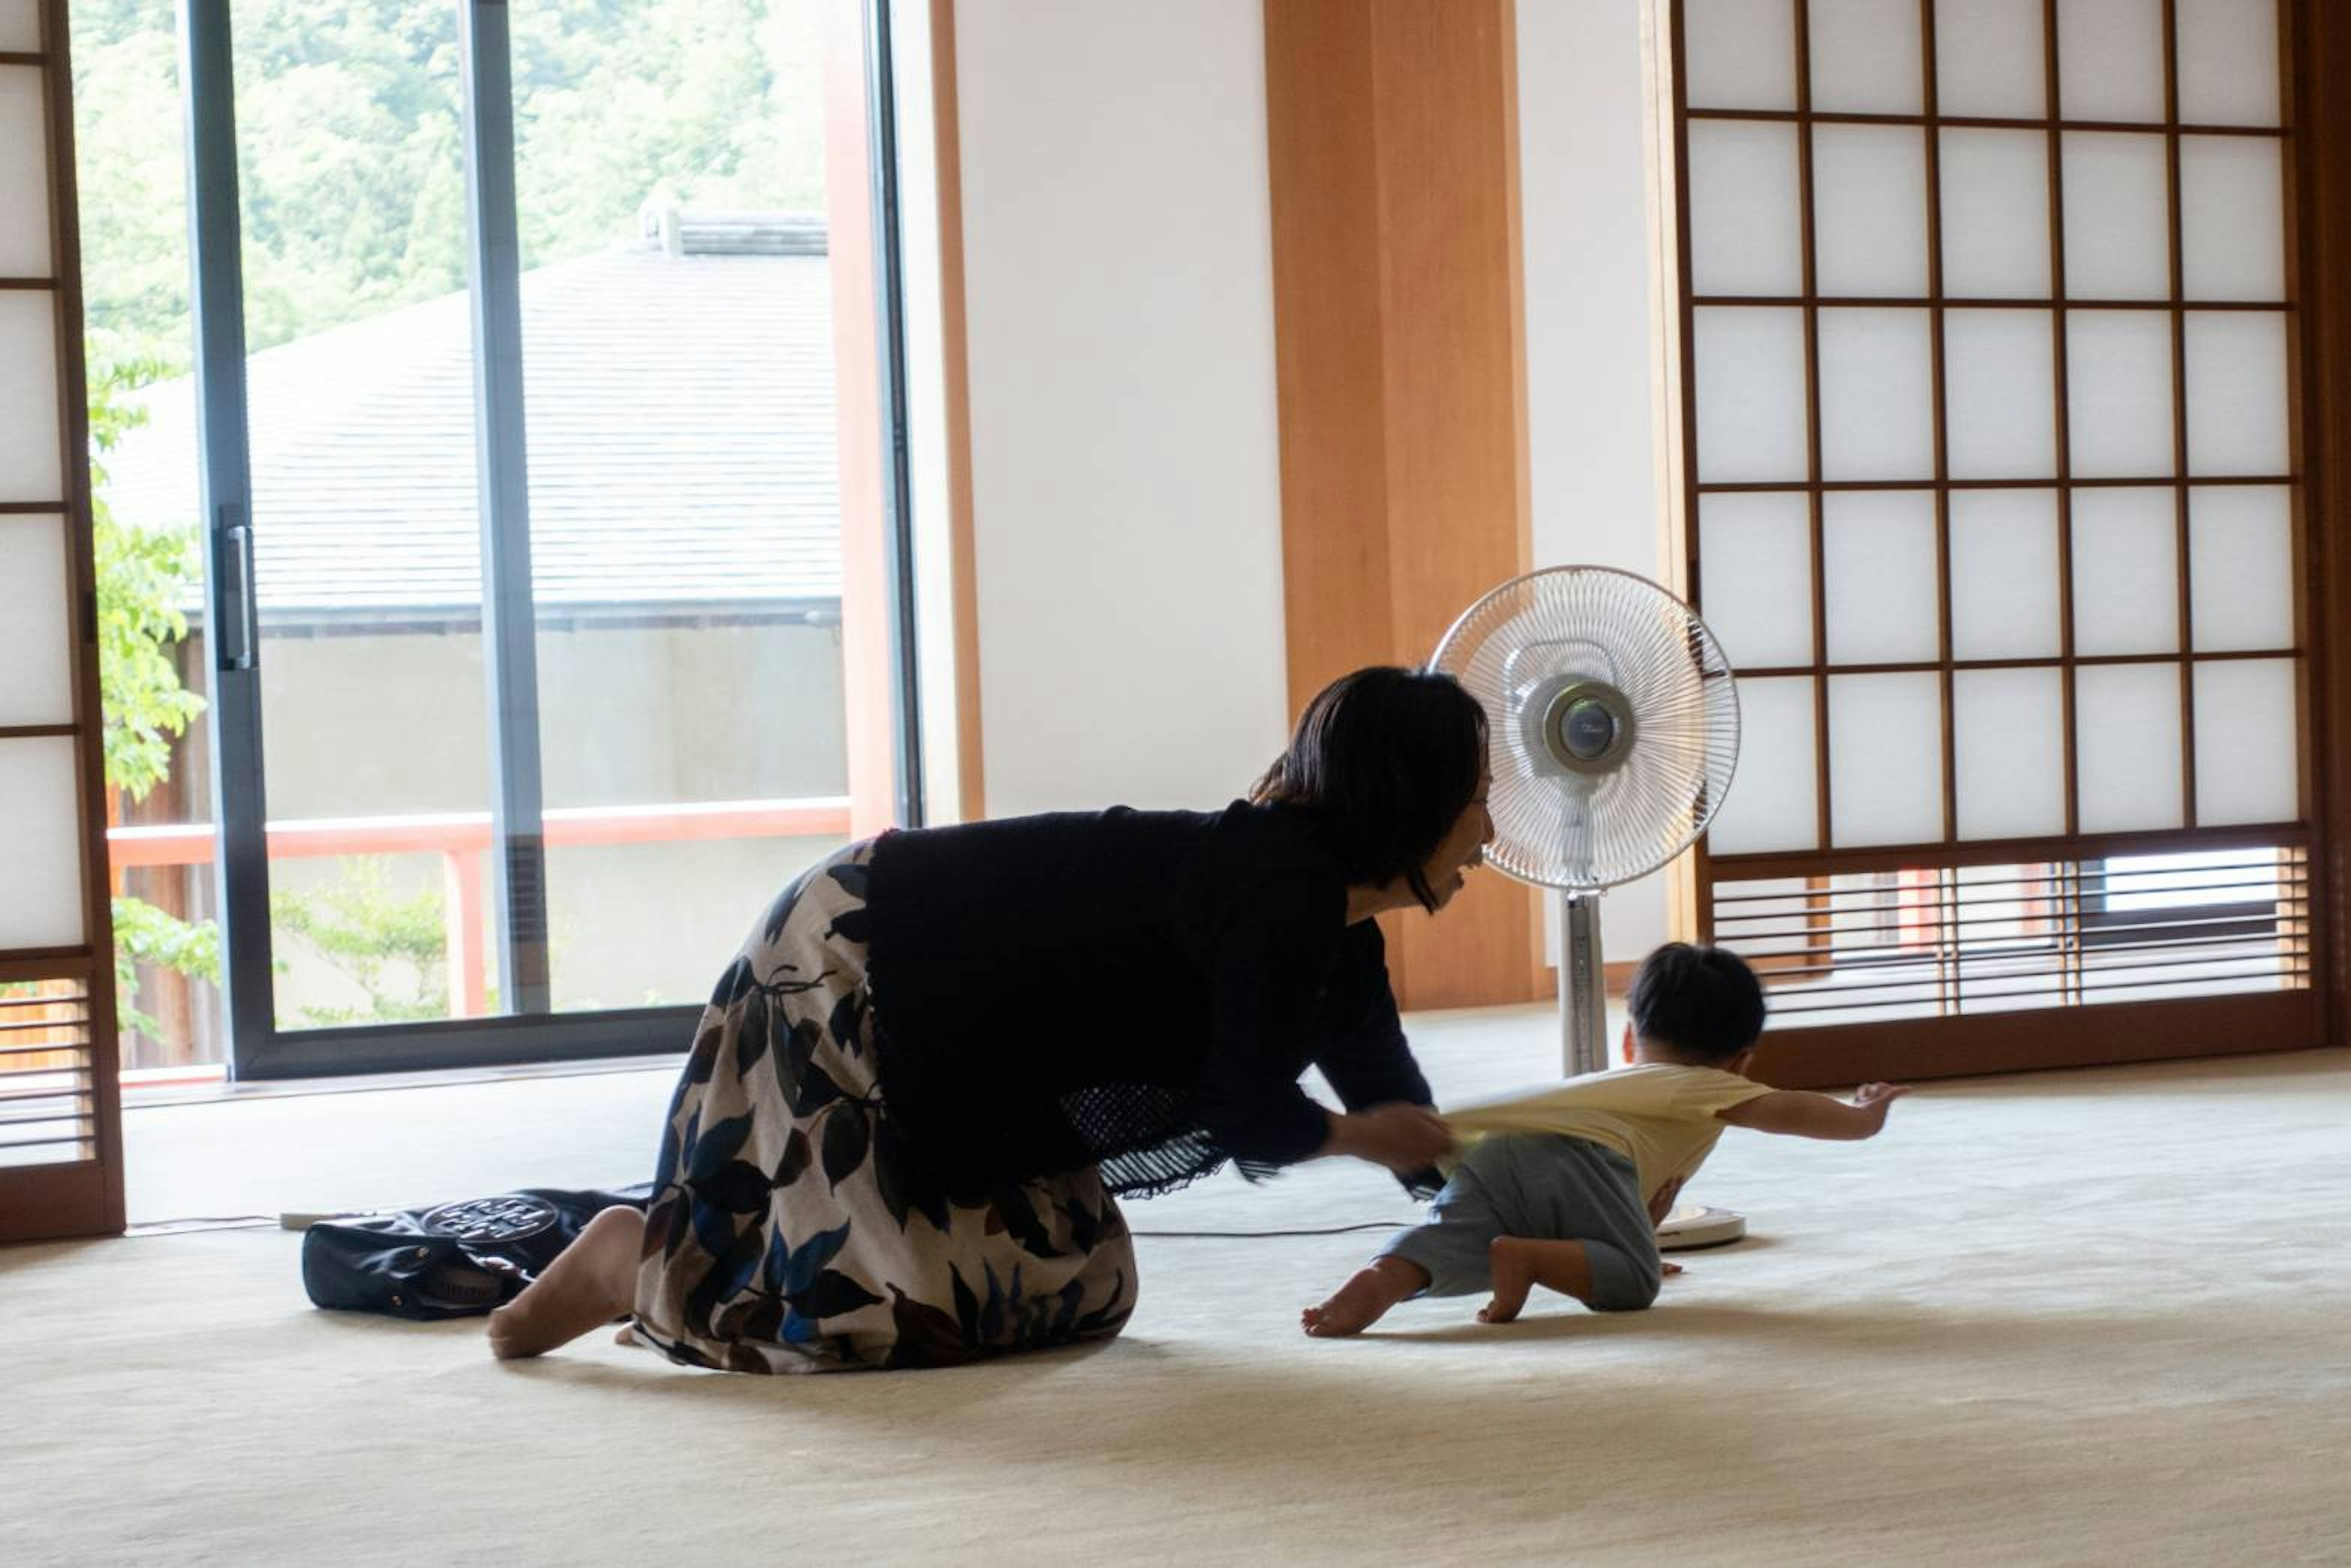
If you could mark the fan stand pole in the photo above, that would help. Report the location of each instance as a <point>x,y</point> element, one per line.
<point>1582,984</point>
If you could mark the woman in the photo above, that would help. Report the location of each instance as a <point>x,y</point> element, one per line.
<point>944,1054</point>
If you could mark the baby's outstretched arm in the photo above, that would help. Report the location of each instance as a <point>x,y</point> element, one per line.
<point>1809,1115</point>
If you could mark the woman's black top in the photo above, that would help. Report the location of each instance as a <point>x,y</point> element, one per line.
<point>1136,990</point>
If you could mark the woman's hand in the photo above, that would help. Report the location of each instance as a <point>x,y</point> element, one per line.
<point>1407,1139</point>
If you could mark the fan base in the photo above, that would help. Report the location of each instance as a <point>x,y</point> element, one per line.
<point>1694,1225</point>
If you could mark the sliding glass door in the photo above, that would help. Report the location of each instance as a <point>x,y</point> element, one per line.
<point>514,404</point>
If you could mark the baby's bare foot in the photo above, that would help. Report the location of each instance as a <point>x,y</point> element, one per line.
<point>1366,1299</point>
<point>1513,1268</point>
<point>590,1283</point>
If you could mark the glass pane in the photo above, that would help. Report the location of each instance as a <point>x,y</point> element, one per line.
<point>1886,759</point>
<point>2232,218</point>
<point>2117,217</point>
<point>1995,192</point>
<point>30,437</point>
<point>2126,747</point>
<point>2228,62</point>
<point>684,515</point>
<point>20,26</point>
<point>24,174</point>
<point>40,844</point>
<point>1988,58</point>
<point>2236,394</point>
<point>1864,55</point>
<point>1751,396</point>
<point>2008,729</point>
<point>1738,54</point>
<point>367,543</point>
<point>2125,572</point>
<point>2241,578</point>
<point>1999,405</point>
<point>2004,574</point>
<point>2110,58</point>
<point>130,151</point>
<point>1755,573</point>
<point>1884,576</point>
<point>1744,233</point>
<point>1772,803</point>
<point>2119,393</point>
<point>1876,395</point>
<point>35,642</point>
<point>1869,209</point>
<point>2247,761</point>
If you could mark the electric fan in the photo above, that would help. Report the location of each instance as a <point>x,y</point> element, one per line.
<point>1614,735</point>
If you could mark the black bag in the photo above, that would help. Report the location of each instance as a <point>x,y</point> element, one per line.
<point>459,1259</point>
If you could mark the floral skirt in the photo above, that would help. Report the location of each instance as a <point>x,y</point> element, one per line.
<point>787,1230</point>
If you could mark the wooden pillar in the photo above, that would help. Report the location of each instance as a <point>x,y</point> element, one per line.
<point>2318,50</point>
<point>1392,133</point>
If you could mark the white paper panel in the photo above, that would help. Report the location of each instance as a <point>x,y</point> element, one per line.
<point>2004,601</point>
<point>1876,395</point>
<point>1746,233</point>
<point>1999,401</point>
<point>2117,216</point>
<point>2228,62</point>
<point>1869,209</point>
<point>2126,747</point>
<point>1886,759</point>
<point>2008,739</point>
<point>2240,567</point>
<point>24,175</point>
<point>1755,577</point>
<point>1882,576</point>
<point>28,391</point>
<point>1751,396</point>
<point>20,26</point>
<point>2231,218</point>
<point>1773,802</point>
<point>1988,58</point>
<point>2237,393</point>
<point>36,640</point>
<point>2119,393</point>
<point>2110,59</point>
<point>2246,750</point>
<point>1865,57</point>
<point>40,844</point>
<point>1739,54</point>
<point>2126,572</point>
<point>1995,192</point>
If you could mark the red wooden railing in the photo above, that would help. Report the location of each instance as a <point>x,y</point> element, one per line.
<point>462,838</point>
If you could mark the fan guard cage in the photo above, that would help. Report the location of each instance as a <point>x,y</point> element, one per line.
<point>1614,723</point>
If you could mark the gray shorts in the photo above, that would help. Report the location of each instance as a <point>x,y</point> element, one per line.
<point>1546,1187</point>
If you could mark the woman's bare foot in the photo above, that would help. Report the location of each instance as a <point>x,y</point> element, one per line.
<point>1365,1300</point>
<point>1513,1268</point>
<point>590,1282</point>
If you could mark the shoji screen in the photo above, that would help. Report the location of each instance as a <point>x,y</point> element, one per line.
<point>60,1161</point>
<point>1987,475</point>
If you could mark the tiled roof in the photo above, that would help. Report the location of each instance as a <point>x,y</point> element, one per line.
<point>680,426</point>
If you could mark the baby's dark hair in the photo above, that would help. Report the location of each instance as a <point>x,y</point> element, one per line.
<point>1702,1000</point>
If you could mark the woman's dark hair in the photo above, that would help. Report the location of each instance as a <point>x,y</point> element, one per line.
<point>1702,1000</point>
<point>1388,759</point>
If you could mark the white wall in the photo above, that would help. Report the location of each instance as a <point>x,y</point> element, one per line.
<point>1118,272</point>
<point>1583,192</point>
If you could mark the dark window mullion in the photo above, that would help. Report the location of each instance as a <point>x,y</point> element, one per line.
<point>509,631</point>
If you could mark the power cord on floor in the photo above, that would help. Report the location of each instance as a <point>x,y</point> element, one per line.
<point>189,1224</point>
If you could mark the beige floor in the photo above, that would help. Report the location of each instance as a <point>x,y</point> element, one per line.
<point>2078,1318</point>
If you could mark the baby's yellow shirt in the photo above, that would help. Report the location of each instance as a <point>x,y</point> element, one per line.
<point>1659,1114</point>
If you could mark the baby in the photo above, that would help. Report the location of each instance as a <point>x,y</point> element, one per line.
<point>1564,1187</point>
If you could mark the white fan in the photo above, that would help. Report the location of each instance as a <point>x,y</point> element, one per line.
<point>1615,733</point>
